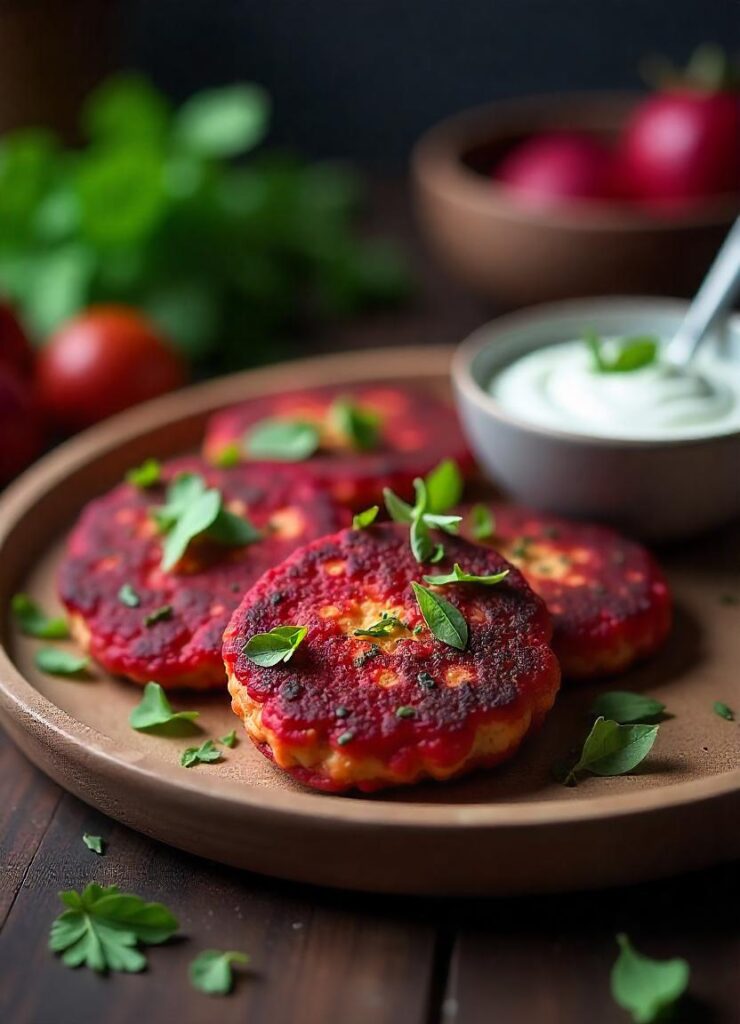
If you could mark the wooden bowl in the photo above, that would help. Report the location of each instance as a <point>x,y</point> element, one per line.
<point>516,255</point>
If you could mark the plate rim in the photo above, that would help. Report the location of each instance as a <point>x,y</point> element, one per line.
<point>22,703</point>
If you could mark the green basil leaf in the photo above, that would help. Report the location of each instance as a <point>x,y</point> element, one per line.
<point>194,521</point>
<point>399,510</point>
<point>625,707</point>
<point>211,971</point>
<point>458,575</point>
<point>124,109</point>
<point>360,426</point>
<point>278,645</point>
<point>647,988</point>
<point>93,843</point>
<point>155,711</point>
<point>366,518</point>
<point>229,456</point>
<point>444,620</point>
<point>206,753</point>
<point>148,474</point>
<point>232,530</point>
<point>229,740</point>
<point>724,711</point>
<point>57,662</point>
<point>121,194</point>
<point>283,440</point>
<point>34,622</point>
<point>182,493</point>
<point>217,123</point>
<point>128,596</point>
<point>444,486</point>
<point>386,625</point>
<point>612,749</point>
<point>482,522</point>
<point>622,356</point>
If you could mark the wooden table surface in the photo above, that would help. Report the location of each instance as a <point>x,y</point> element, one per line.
<point>319,956</point>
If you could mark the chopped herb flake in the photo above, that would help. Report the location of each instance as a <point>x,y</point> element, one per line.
<point>34,622</point>
<point>128,596</point>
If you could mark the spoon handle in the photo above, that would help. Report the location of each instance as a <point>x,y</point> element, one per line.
<point>717,292</point>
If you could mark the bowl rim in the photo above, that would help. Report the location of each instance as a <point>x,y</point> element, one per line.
<point>437,164</point>
<point>484,336</point>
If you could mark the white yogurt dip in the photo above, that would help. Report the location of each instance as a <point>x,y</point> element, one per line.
<point>560,387</point>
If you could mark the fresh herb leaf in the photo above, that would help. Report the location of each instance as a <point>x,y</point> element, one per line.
<point>184,490</point>
<point>646,988</point>
<point>625,707</point>
<point>229,740</point>
<point>399,510</point>
<point>211,972</point>
<point>161,614</point>
<point>232,531</point>
<point>458,575</point>
<point>366,518</point>
<point>384,627</point>
<point>57,662</point>
<point>154,711</point>
<point>128,596</point>
<point>225,122</point>
<point>361,427</point>
<point>94,843</point>
<point>482,522</point>
<point>279,644</point>
<point>444,486</point>
<point>206,753</point>
<point>193,522</point>
<point>34,622</point>
<point>723,711</point>
<point>228,457</point>
<point>444,620</point>
<point>283,440</point>
<point>405,711</point>
<point>612,749</point>
<point>622,356</point>
<point>148,474</point>
<point>345,738</point>
<point>102,927</point>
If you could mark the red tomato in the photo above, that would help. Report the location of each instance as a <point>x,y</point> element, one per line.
<point>103,361</point>
<point>15,349</point>
<point>21,435</point>
<point>547,170</point>
<point>681,146</point>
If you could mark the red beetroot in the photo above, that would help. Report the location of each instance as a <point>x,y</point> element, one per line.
<point>21,435</point>
<point>546,170</point>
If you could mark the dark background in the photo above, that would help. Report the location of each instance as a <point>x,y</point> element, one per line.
<point>362,78</point>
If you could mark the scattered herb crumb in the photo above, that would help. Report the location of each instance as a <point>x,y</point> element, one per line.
<point>723,710</point>
<point>345,738</point>
<point>405,711</point>
<point>211,971</point>
<point>158,615</point>
<point>57,662</point>
<point>206,753</point>
<point>94,843</point>
<point>128,596</point>
<point>33,621</point>
<point>229,740</point>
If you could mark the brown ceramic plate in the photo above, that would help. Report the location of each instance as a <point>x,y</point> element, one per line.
<point>509,831</point>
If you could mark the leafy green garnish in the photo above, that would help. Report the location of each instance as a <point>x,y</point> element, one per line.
<point>206,753</point>
<point>278,645</point>
<point>229,740</point>
<point>224,122</point>
<point>34,622</point>
<point>58,662</point>
<point>161,614</point>
<point>723,710</point>
<point>421,520</point>
<point>646,988</point>
<point>444,620</point>
<point>148,474</point>
<point>229,456</point>
<point>458,575</point>
<point>482,522</point>
<point>625,707</point>
<point>444,486</point>
<point>102,927</point>
<point>365,518</point>
<point>154,711</point>
<point>384,627</point>
<point>283,440</point>
<point>622,356</point>
<point>612,749</point>
<point>360,426</point>
<point>93,843</point>
<point>405,711</point>
<point>128,596</point>
<point>211,971</point>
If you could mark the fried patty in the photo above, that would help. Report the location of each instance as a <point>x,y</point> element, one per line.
<point>367,712</point>
<point>173,631</point>
<point>609,601</point>
<point>416,431</point>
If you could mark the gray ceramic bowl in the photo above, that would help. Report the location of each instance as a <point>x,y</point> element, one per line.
<point>661,490</point>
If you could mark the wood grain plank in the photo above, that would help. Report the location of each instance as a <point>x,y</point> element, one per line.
<point>28,801</point>
<point>316,955</point>
<point>548,959</point>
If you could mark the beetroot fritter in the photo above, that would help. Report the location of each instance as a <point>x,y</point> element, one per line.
<point>144,623</point>
<point>369,712</point>
<point>415,432</point>
<point>608,599</point>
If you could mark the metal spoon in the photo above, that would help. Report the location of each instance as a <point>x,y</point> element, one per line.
<point>717,292</point>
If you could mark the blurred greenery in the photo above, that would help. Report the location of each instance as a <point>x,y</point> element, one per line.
<point>229,258</point>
